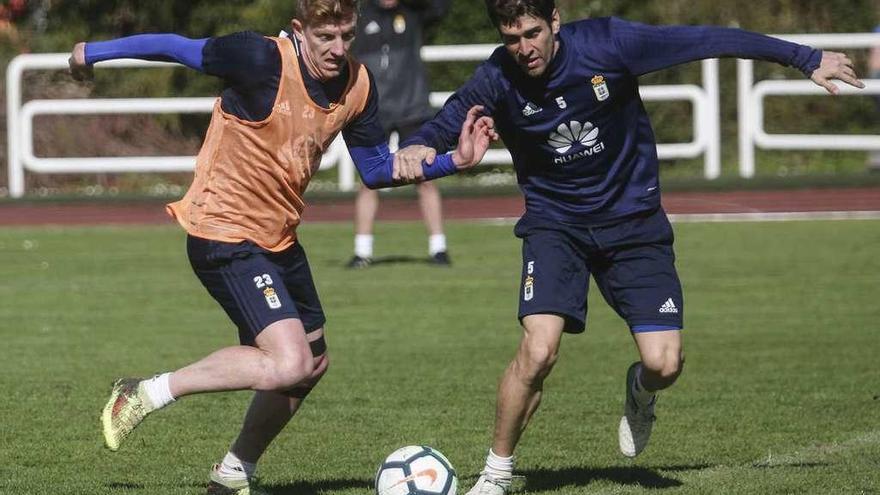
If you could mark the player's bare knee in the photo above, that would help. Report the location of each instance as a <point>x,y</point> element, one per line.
<point>665,365</point>
<point>535,360</point>
<point>290,371</point>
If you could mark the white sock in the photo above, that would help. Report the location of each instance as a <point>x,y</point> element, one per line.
<point>499,468</point>
<point>158,390</point>
<point>436,244</point>
<point>234,468</point>
<point>363,245</point>
<point>641,395</point>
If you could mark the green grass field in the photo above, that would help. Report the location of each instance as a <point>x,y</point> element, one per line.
<point>779,394</point>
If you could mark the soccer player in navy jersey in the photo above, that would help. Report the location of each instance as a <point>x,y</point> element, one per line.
<point>565,100</point>
<point>285,101</point>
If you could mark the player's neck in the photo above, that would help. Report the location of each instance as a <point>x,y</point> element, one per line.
<point>312,67</point>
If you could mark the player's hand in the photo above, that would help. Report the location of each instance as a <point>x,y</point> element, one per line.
<point>477,133</point>
<point>408,163</point>
<point>79,70</point>
<point>835,66</point>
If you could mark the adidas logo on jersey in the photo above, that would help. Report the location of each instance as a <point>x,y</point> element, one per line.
<point>531,109</point>
<point>283,108</point>
<point>669,307</point>
<point>574,132</point>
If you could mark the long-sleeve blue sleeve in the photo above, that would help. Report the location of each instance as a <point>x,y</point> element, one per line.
<point>645,48</point>
<point>159,47</point>
<point>375,164</point>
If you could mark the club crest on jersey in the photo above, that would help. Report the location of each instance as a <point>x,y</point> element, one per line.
<point>529,288</point>
<point>272,298</point>
<point>399,24</point>
<point>531,109</point>
<point>600,87</point>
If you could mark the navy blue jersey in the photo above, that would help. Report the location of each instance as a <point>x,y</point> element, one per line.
<point>582,145</point>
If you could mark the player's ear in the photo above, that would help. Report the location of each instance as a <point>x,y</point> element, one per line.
<point>297,27</point>
<point>555,21</point>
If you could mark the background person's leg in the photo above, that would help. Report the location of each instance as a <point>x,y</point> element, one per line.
<point>366,204</point>
<point>431,205</point>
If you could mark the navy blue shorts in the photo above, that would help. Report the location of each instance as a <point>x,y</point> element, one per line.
<point>257,287</point>
<point>632,262</point>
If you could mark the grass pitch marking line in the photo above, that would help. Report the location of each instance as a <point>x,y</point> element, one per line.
<point>735,217</point>
<point>774,216</point>
<point>815,453</point>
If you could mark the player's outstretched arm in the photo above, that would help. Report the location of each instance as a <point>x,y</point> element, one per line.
<point>160,47</point>
<point>835,66</point>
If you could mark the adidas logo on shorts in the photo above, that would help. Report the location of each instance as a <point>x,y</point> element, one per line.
<point>669,307</point>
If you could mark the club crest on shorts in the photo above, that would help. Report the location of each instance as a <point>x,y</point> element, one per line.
<point>272,298</point>
<point>600,87</point>
<point>529,288</point>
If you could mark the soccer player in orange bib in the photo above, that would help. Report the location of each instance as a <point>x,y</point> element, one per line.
<point>286,99</point>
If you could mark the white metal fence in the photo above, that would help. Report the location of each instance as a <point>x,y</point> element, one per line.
<point>705,101</point>
<point>751,96</point>
<point>20,117</point>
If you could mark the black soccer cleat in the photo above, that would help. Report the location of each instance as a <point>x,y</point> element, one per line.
<point>441,259</point>
<point>357,263</point>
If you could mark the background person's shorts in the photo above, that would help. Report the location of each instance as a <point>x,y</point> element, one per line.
<point>257,287</point>
<point>632,262</point>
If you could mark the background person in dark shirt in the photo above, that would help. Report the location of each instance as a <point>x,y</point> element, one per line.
<point>389,40</point>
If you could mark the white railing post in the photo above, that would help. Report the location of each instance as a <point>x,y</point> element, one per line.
<point>15,169</point>
<point>712,119</point>
<point>745,80</point>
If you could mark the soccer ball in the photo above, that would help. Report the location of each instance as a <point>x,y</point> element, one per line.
<point>416,470</point>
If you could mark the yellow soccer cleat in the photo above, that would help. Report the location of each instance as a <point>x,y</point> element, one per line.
<point>127,407</point>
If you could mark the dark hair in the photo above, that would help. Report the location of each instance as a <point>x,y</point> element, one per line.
<point>508,12</point>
